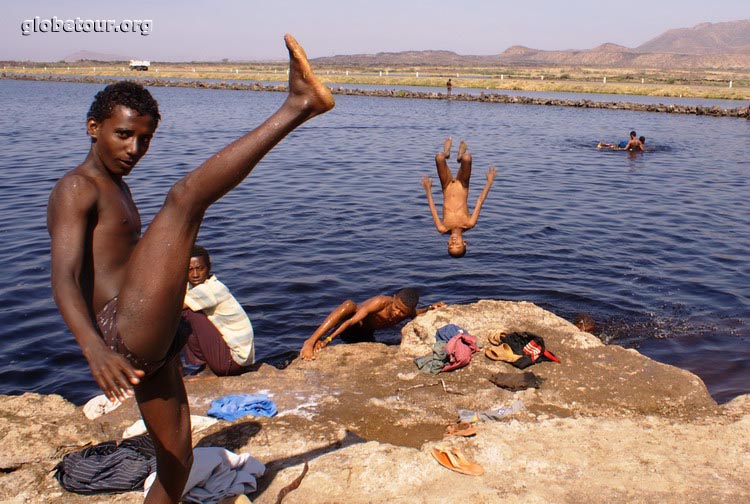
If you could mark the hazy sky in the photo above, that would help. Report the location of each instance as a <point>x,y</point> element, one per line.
<point>250,30</point>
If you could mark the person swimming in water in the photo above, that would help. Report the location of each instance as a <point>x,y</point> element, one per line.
<point>634,144</point>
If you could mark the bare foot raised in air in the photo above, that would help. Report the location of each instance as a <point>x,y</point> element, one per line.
<point>305,90</point>
<point>461,150</point>
<point>447,147</point>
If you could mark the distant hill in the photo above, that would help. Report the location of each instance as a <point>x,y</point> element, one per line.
<point>705,38</point>
<point>93,56</point>
<point>444,58</point>
<point>707,45</point>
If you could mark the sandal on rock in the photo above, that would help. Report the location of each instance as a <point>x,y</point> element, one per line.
<point>496,338</point>
<point>472,467</point>
<point>463,429</point>
<point>455,461</point>
<point>501,353</point>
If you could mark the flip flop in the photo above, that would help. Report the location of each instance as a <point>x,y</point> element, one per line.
<point>455,461</point>
<point>501,353</point>
<point>474,468</point>
<point>496,338</point>
<point>463,429</point>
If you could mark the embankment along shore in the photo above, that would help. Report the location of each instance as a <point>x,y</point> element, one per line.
<point>714,111</point>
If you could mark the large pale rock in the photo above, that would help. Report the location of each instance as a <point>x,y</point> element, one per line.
<point>486,317</point>
<point>605,425</point>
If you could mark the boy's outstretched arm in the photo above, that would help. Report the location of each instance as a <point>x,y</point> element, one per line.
<point>427,183</point>
<point>372,305</point>
<point>434,306</point>
<point>475,216</point>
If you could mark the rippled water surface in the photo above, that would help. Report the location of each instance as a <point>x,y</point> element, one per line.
<point>654,246</point>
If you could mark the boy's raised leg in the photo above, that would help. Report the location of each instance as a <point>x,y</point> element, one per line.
<point>444,173</point>
<point>461,151</point>
<point>464,172</point>
<point>152,293</point>
<point>447,147</point>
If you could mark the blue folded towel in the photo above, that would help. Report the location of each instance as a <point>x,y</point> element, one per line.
<point>236,406</point>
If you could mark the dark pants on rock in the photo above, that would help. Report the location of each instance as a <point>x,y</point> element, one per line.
<point>206,346</point>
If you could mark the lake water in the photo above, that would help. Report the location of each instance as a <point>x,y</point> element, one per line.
<point>655,246</point>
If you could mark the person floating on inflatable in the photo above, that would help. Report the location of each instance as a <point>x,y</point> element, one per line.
<point>634,144</point>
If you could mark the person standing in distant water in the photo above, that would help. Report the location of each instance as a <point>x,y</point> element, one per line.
<point>449,87</point>
<point>634,144</point>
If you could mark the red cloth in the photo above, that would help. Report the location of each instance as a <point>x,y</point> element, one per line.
<point>460,348</point>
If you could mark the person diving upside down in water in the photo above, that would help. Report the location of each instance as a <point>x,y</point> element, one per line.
<point>456,217</point>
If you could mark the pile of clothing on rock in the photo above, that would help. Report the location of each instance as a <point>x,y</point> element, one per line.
<point>130,464</point>
<point>454,348</point>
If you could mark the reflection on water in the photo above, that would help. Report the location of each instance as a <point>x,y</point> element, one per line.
<point>654,246</point>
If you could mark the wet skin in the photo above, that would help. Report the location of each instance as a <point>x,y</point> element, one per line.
<point>456,217</point>
<point>97,255</point>
<point>378,312</point>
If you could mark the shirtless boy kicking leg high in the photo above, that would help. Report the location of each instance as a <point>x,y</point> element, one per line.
<point>456,218</point>
<point>121,294</point>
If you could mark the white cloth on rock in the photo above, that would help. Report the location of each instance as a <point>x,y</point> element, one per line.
<point>99,405</point>
<point>218,473</point>
<point>197,424</point>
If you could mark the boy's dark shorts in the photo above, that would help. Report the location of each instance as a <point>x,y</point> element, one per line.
<point>105,319</point>
<point>357,334</point>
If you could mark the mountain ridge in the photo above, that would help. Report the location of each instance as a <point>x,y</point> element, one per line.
<point>706,45</point>
<point>724,45</point>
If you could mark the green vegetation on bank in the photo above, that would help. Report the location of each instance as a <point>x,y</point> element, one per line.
<point>653,82</point>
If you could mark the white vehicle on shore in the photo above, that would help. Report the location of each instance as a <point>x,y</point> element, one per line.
<point>140,65</point>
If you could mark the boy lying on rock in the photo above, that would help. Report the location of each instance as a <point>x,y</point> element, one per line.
<point>357,323</point>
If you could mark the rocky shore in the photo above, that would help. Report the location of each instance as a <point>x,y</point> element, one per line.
<point>737,112</point>
<point>605,425</point>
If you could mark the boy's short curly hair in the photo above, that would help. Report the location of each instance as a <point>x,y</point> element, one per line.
<point>408,296</point>
<point>128,94</point>
<point>198,251</point>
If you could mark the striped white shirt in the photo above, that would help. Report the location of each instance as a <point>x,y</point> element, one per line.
<point>225,312</point>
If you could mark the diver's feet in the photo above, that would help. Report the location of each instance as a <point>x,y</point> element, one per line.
<point>305,90</point>
<point>461,151</point>
<point>447,147</point>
